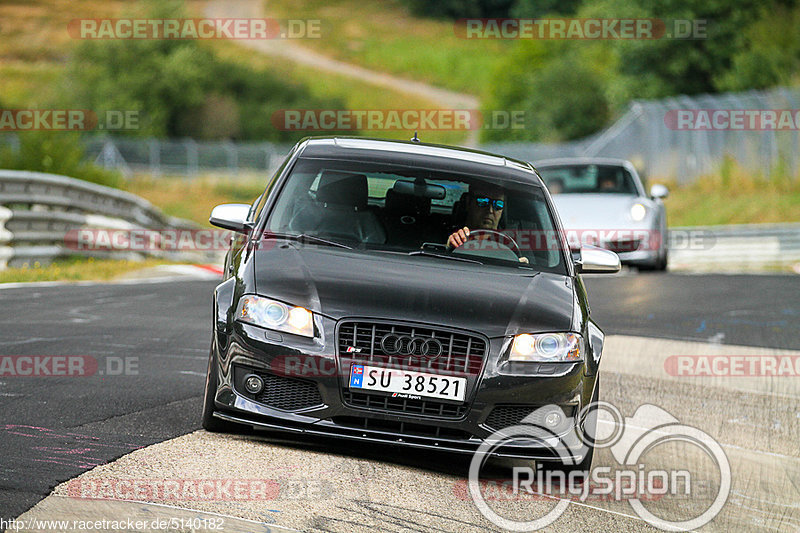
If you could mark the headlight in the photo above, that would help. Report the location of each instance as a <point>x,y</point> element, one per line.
<point>547,347</point>
<point>275,315</point>
<point>638,212</point>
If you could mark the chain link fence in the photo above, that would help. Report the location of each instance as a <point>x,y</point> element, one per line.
<point>646,135</point>
<point>650,135</point>
<point>184,157</point>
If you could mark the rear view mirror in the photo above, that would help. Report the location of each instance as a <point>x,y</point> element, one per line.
<point>420,188</point>
<point>231,216</point>
<point>596,260</point>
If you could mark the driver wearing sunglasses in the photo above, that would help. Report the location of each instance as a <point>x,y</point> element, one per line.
<point>484,209</point>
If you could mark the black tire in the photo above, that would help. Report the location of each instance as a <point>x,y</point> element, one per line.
<point>210,422</point>
<point>662,264</point>
<point>586,464</point>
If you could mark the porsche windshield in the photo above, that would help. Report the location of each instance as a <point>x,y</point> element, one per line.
<point>413,211</point>
<point>570,179</point>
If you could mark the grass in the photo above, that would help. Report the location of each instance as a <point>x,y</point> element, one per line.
<point>35,46</point>
<point>29,85</point>
<point>354,94</point>
<point>734,197</point>
<point>77,269</point>
<point>193,199</point>
<point>383,35</point>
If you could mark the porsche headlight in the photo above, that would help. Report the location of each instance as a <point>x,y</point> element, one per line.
<point>275,315</point>
<point>546,347</point>
<point>638,212</point>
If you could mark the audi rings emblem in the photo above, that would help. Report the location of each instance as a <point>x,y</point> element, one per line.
<point>406,345</point>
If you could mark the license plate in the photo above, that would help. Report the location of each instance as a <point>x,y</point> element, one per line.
<point>407,384</point>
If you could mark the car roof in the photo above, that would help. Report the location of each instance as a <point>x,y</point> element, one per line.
<point>583,161</point>
<point>422,154</point>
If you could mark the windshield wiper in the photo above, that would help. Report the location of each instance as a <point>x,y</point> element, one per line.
<point>426,253</point>
<point>304,237</point>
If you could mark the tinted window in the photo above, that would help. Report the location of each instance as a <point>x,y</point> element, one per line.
<point>588,179</point>
<point>403,209</point>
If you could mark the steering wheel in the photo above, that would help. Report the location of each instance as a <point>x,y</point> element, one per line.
<point>514,247</point>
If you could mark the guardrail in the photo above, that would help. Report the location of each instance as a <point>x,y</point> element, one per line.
<point>734,247</point>
<point>39,211</point>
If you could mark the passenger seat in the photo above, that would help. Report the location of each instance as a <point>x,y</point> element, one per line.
<point>340,211</point>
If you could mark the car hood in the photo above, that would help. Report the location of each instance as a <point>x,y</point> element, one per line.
<point>598,211</point>
<point>342,283</point>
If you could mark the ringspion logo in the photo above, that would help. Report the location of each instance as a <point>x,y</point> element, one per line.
<point>629,440</point>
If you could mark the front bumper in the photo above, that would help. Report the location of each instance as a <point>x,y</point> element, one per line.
<point>317,401</point>
<point>639,257</point>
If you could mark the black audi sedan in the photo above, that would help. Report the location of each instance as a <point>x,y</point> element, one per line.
<point>349,310</point>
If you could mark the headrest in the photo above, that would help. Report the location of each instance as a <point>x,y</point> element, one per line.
<point>343,188</point>
<point>407,204</point>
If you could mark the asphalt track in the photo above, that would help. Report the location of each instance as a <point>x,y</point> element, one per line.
<point>54,428</point>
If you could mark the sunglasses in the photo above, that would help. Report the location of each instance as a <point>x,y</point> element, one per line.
<point>485,201</point>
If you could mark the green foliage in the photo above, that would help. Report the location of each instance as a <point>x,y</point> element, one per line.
<point>182,89</point>
<point>456,9</point>
<point>540,8</point>
<point>770,54</point>
<point>56,153</point>
<point>562,98</point>
<point>573,86</point>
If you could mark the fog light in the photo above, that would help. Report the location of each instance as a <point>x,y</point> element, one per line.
<point>253,384</point>
<point>552,419</point>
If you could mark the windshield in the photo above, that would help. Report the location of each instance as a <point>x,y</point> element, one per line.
<point>565,179</point>
<point>413,211</point>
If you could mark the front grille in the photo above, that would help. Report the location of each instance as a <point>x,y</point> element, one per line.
<point>288,394</point>
<point>504,416</point>
<point>419,407</point>
<point>400,428</point>
<point>462,353</point>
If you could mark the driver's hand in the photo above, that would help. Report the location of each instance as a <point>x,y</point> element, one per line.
<point>458,238</point>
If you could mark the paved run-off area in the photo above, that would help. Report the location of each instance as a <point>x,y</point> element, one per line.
<point>338,486</point>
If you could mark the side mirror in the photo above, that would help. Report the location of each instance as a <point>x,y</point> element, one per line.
<point>232,217</point>
<point>659,191</point>
<point>596,260</point>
